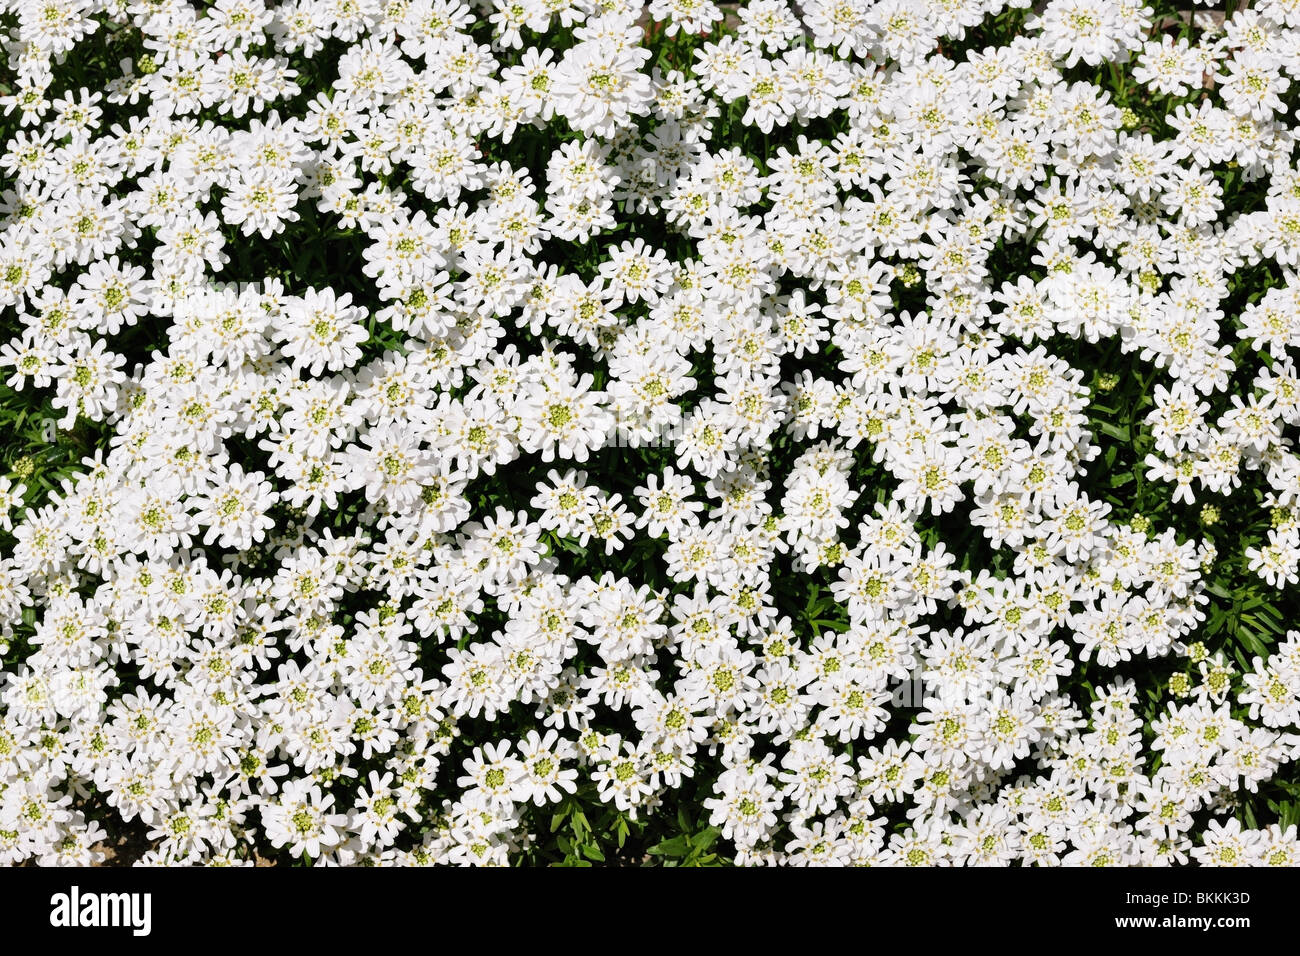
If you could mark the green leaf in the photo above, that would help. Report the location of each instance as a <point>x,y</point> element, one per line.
<point>677,846</point>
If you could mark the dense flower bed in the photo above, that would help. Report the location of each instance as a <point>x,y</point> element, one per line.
<point>589,430</point>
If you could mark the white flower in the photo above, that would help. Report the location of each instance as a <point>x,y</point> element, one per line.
<point>321,331</point>
<point>599,88</point>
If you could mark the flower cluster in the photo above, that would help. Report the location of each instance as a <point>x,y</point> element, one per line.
<point>505,410</point>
